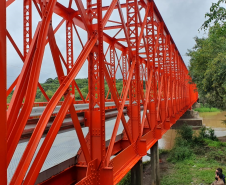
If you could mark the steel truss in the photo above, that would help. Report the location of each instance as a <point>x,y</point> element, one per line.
<point>154,77</point>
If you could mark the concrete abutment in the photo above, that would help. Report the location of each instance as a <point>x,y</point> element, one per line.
<point>190,118</point>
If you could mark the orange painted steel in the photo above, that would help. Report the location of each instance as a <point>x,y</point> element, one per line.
<point>141,50</point>
<point>3,94</point>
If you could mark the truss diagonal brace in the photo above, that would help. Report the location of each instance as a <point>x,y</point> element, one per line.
<point>146,102</point>
<point>46,145</point>
<point>84,16</point>
<point>124,27</point>
<point>109,12</point>
<point>79,132</point>
<point>143,24</point>
<point>115,97</point>
<point>112,141</point>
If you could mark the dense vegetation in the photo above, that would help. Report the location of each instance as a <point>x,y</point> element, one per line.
<point>208,66</point>
<point>208,58</point>
<point>51,85</point>
<point>193,159</point>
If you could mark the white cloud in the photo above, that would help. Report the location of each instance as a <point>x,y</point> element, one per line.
<point>183,19</point>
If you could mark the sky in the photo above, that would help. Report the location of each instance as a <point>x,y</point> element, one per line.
<point>182,17</point>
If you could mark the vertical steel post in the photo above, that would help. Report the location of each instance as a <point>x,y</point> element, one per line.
<point>170,80</point>
<point>132,28</point>
<point>124,71</point>
<point>27,13</point>
<point>112,67</point>
<point>174,82</point>
<point>137,71</point>
<point>141,79</point>
<point>177,82</point>
<point>3,107</point>
<point>162,61</point>
<point>69,45</point>
<point>96,90</point>
<point>89,114</point>
<point>69,49</point>
<point>150,34</point>
<point>101,80</point>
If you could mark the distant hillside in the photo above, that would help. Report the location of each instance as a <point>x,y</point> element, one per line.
<point>50,86</point>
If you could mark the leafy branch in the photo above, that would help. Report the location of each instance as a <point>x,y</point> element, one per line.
<point>216,15</point>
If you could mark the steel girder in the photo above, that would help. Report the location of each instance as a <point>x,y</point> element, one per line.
<point>3,94</point>
<point>153,72</point>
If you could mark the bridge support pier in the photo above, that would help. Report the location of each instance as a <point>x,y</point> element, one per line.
<point>191,118</point>
<point>137,173</point>
<point>155,175</point>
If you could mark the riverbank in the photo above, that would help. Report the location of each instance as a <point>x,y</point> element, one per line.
<point>198,169</point>
<point>193,159</point>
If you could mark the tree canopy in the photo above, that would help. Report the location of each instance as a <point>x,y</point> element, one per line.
<point>217,15</point>
<point>51,85</point>
<point>208,66</point>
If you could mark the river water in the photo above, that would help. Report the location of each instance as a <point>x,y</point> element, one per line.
<point>210,119</point>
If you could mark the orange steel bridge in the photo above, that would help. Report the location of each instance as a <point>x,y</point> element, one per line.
<point>129,39</point>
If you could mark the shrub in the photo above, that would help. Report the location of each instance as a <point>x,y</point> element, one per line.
<point>212,135</point>
<point>187,143</point>
<point>207,133</point>
<point>197,141</point>
<point>180,142</point>
<point>180,153</point>
<point>203,133</point>
<point>186,132</point>
<point>181,149</point>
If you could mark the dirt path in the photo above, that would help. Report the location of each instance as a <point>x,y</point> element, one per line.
<point>164,166</point>
<point>222,139</point>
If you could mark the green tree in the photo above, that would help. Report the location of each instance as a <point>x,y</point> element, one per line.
<point>217,15</point>
<point>208,66</point>
<point>50,86</point>
<point>49,94</point>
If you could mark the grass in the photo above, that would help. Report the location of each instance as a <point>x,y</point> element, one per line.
<point>207,109</point>
<point>196,170</point>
